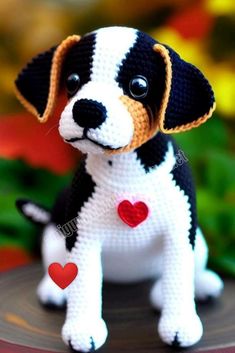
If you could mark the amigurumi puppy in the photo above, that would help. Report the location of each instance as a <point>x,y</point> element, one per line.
<point>131,204</point>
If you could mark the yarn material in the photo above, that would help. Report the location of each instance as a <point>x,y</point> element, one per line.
<point>183,178</point>
<point>134,214</point>
<point>37,86</point>
<point>36,74</point>
<point>81,190</point>
<point>188,100</point>
<point>128,216</point>
<point>152,153</point>
<point>34,212</point>
<point>87,107</point>
<point>179,77</point>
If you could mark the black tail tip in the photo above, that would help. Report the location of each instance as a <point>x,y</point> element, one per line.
<point>34,212</point>
<point>20,203</point>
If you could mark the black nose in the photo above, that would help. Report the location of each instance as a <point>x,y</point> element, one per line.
<point>89,113</point>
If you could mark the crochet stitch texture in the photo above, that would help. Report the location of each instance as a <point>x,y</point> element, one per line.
<point>130,212</point>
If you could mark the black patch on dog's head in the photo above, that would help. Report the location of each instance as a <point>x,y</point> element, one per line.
<point>142,60</point>
<point>79,59</point>
<point>178,97</point>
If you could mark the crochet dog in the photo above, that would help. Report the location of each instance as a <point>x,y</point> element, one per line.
<point>130,213</point>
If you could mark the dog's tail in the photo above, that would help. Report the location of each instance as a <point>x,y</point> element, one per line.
<point>34,212</point>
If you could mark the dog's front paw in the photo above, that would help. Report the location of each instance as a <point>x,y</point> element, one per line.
<point>50,295</point>
<point>84,336</point>
<point>180,331</point>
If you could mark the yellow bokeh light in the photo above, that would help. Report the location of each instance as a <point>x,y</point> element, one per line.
<point>220,7</point>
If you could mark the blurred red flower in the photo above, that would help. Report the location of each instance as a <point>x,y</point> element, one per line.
<point>193,22</point>
<point>39,145</point>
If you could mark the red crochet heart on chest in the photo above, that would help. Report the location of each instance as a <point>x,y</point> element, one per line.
<point>132,214</point>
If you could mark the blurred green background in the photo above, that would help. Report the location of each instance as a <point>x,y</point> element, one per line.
<point>35,164</point>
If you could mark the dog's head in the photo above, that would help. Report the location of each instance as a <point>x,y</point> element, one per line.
<point>122,88</point>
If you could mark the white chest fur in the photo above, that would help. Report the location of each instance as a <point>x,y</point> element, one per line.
<point>122,177</point>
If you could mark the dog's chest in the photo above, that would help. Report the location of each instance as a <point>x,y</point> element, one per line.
<point>128,206</point>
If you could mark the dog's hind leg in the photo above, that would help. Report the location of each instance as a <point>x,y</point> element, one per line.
<point>207,283</point>
<point>156,296</point>
<point>53,250</point>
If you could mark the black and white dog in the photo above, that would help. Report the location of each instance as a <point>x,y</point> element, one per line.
<point>132,203</point>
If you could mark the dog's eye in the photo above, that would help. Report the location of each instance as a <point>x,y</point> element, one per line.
<point>138,87</point>
<point>72,84</point>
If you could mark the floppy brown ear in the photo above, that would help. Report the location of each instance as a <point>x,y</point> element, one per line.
<point>37,85</point>
<point>188,99</point>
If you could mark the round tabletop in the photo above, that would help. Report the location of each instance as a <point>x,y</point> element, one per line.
<point>131,322</point>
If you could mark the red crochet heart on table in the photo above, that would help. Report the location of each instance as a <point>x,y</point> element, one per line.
<point>132,214</point>
<point>63,276</point>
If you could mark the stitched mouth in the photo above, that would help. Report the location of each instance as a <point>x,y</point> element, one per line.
<point>75,139</point>
<point>85,137</point>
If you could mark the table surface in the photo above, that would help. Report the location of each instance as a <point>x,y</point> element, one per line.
<point>131,322</point>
